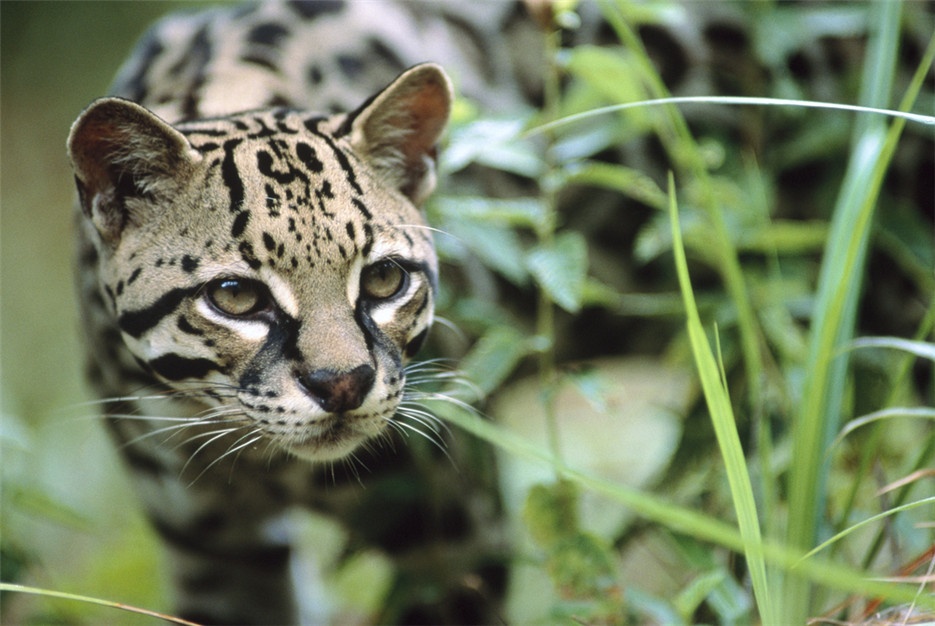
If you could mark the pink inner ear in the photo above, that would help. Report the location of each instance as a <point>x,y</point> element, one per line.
<point>429,110</point>
<point>89,148</point>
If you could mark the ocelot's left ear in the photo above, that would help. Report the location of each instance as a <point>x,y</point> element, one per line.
<point>397,130</point>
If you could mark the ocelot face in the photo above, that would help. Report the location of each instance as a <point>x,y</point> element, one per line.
<point>272,264</point>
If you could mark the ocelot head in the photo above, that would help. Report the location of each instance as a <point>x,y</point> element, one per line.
<point>273,264</point>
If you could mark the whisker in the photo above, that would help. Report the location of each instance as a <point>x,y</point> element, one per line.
<point>203,391</point>
<point>214,436</point>
<point>351,462</point>
<point>240,450</point>
<point>428,228</point>
<point>147,418</point>
<point>177,428</point>
<point>271,451</point>
<point>418,414</point>
<point>438,363</point>
<point>437,371</point>
<point>182,423</point>
<point>428,437</point>
<point>407,413</point>
<point>233,448</point>
<point>449,325</point>
<point>428,395</point>
<point>407,417</point>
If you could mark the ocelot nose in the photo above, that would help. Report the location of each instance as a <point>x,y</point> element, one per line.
<point>337,392</point>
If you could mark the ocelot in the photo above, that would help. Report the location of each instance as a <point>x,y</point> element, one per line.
<point>255,274</point>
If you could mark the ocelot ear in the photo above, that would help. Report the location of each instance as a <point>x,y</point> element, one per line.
<point>396,131</point>
<point>125,157</point>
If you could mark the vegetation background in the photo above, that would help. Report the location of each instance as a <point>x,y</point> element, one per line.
<point>573,323</point>
<point>69,520</point>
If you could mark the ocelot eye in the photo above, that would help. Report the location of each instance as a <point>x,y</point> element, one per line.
<point>382,280</point>
<point>237,297</point>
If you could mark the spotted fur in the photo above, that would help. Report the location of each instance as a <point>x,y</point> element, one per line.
<point>255,273</point>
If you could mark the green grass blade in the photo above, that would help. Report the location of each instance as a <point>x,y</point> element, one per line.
<point>921,349</point>
<point>90,600</point>
<point>839,286</point>
<point>722,417</point>
<point>916,118</point>
<point>873,518</point>
<point>884,414</point>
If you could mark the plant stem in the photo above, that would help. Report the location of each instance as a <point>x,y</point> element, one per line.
<point>681,147</point>
<point>545,234</point>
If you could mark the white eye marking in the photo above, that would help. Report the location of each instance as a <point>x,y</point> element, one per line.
<point>387,249</point>
<point>251,330</point>
<point>383,313</point>
<point>353,281</point>
<point>280,291</point>
<point>210,271</point>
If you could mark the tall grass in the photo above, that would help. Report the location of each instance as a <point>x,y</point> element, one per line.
<point>783,526</point>
<point>839,286</point>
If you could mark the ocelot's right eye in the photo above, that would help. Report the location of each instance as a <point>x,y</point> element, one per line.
<point>237,297</point>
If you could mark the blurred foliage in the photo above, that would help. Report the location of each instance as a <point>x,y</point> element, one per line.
<point>586,271</point>
<point>571,262</point>
<point>69,520</point>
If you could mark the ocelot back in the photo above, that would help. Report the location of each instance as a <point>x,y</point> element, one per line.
<point>254,274</point>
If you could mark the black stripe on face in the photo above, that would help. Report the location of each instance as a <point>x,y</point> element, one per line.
<point>135,323</point>
<point>231,176</point>
<point>343,161</point>
<point>413,346</point>
<point>281,343</point>
<point>175,367</point>
<point>186,327</point>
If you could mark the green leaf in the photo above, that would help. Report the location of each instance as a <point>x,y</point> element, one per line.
<point>610,72</point>
<point>592,387</point>
<point>92,600</point>
<point>629,181</point>
<point>522,212</point>
<point>494,143</point>
<point>561,269</point>
<point>498,247</point>
<point>582,568</point>
<point>785,237</point>
<point>864,522</point>
<point>494,356</point>
<point>364,581</point>
<point>678,518</point>
<point>839,287</point>
<point>551,512</point>
<point>655,238</point>
<point>691,597</point>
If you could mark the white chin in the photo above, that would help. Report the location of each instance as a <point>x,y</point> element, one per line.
<point>325,451</point>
